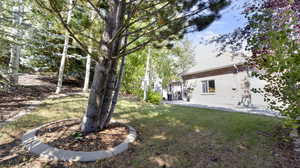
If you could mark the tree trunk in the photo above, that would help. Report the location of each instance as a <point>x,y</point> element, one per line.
<point>14,63</point>
<point>117,90</point>
<point>88,61</point>
<point>15,51</point>
<point>87,73</point>
<point>110,86</point>
<point>100,99</point>
<point>146,79</point>
<point>64,53</point>
<point>91,118</point>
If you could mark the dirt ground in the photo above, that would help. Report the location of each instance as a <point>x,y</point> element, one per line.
<point>31,87</point>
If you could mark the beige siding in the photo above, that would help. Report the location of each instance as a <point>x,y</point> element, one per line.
<point>228,90</point>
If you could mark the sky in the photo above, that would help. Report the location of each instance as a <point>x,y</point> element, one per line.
<point>231,18</point>
<point>206,54</point>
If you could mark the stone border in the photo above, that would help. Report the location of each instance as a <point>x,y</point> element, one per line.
<point>34,145</point>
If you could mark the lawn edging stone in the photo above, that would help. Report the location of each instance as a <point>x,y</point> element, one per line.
<point>35,146</point>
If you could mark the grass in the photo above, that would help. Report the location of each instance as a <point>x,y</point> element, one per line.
<point>169,136</point>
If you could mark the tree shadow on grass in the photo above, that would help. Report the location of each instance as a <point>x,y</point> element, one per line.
<point>172,136</point>
<point>66,82</point>
<point>11,103</point>
<point>177,137</point>
<point>12,152</point>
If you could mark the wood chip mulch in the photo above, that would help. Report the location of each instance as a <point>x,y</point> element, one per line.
<point>65,135</point>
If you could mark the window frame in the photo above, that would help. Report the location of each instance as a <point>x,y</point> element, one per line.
<point>207,87</point>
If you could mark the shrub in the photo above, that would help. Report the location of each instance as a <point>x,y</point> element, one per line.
<point>153,97</point>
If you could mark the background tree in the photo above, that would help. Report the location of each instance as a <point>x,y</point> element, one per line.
<point>179,60</point>
<point>135,71</point>
<point>272,36</point>
<point>166,65</point>
<point>88,59</point>
<point>12,15</point>
<point>65,50</point>
<point>45,51</point>
<point>276,52</point>
<point>41,42</point>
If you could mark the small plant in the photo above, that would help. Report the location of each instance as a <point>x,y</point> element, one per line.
<point>77,135</point>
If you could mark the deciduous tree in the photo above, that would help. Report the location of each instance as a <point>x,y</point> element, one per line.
<point>272,36</point>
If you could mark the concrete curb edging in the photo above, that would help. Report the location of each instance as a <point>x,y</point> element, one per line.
<point>35,146</point>
<point>296,140</point>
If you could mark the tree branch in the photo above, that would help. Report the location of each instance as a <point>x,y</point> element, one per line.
<point>97,10</point>
<point>66,26</point>
<point>132,50</point>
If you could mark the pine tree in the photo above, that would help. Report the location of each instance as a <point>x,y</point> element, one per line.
<point>143,23</point>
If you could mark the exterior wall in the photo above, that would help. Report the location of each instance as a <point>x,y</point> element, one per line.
<point>258,99</point>
<point>229,90</point>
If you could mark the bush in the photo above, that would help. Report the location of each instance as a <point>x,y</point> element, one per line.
<point>153,97</point>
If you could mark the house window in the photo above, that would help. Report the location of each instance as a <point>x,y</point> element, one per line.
<point>208,86</point>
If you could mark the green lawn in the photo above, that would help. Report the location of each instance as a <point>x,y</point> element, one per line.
<point>169,136</point>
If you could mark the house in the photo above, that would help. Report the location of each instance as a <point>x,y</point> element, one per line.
<point>224,81</point>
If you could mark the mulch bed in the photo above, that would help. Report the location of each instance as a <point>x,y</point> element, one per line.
<point>66,135</point>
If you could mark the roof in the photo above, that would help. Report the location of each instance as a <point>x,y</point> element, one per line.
<point>233,68</point>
